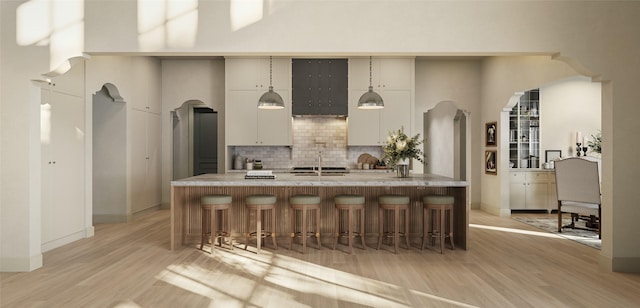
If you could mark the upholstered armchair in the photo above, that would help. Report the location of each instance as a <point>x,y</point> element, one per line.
<point>578,186</point>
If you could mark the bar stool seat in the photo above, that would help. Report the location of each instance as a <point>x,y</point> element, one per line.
<point>259,203</point>
<point>395,203</point>
<point>350,203</point>
<point>435,209</point>
<point>304,203</point>
<point>210,205</point>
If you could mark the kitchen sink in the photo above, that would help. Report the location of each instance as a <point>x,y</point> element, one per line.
<point>315,174</point>
<point>313,171</point>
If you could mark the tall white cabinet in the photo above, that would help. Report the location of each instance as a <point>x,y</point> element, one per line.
<point>246,80</point>
<point>62,139</point>
<point>145,158</point>
<point>394,80</point>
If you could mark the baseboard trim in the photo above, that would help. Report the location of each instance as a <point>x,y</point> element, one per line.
<point>621,265</point>
<point>109,219</point>
<point>21,264</point>
<point>496,210</point>
<point>63,241</point>
<point>146,211</point>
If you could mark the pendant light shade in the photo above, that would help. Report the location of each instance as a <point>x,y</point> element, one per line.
<point>270,99</point>
<point>370,99</point>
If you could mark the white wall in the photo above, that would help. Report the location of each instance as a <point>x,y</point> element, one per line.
<point>568,106</point>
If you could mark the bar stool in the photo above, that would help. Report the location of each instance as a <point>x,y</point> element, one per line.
<point>304,203</point>
<point>259,203</point>
<point>210,206</point>
<point>395,203</point>
<point>350,203</point>
<point>436,208</point>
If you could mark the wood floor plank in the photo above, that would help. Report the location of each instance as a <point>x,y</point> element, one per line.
<point>508,264</point>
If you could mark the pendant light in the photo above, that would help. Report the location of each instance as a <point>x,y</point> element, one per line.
<point>370,99</point>
<point>270,99</point>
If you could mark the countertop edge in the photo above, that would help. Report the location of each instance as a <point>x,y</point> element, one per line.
<point>288,180</point>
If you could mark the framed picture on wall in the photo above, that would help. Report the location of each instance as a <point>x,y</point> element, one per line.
<point>490,162</point>
<point>491,133</point>
<point>550,155</point>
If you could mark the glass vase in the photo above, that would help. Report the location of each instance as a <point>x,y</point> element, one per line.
<point>403,168</point>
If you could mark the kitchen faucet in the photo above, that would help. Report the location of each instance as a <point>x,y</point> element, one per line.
<point>320,144</point>
<point>319,163</point>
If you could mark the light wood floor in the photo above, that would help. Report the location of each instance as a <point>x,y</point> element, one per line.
<point>129,265</point>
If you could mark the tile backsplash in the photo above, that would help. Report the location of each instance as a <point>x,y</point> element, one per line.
<point>310,136</point>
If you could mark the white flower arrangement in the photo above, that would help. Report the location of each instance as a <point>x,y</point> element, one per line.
<point>399,147</point>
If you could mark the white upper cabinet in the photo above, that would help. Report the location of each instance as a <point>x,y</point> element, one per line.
<point>386,73</point>
<point>247,79</point>
<point>393,79</point>
<point>253,73</point>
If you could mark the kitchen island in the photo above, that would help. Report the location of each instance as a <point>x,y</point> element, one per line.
<point>186,194</point>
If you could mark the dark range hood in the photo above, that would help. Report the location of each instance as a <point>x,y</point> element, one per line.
<point>319,87</point>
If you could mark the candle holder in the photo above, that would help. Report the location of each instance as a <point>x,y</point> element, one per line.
<point>578,148</point>
<point>584,150</point>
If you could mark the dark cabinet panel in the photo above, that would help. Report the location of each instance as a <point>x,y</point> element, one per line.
<point>319,87</point>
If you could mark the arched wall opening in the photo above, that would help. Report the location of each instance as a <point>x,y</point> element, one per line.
<point>194,140</point>
<point>447,148</point>
<point>109,156</point>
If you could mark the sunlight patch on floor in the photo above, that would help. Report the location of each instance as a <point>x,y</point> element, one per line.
<point>512,230</point>
<point>241,278</point>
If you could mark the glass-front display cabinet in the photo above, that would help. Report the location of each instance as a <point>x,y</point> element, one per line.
<point>524,131</point>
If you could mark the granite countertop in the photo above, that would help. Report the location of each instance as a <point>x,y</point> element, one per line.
<point>349,179</point>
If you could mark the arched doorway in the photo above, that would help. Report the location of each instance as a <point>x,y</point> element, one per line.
<point>446,129</point>
<point>109,156</point>
<point>195,140</point>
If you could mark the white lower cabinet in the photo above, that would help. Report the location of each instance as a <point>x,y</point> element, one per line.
<point>529,190</point>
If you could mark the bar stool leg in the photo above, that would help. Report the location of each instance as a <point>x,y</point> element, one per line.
<point>396,228</point>
<point>259,227</point>
<point>425,225</point>
<point>204,228</point>
<point>293,226</point>
<point>364,246</point>
<point>406,227</point>
<point>337,227</point>
<point>229,227</point>
<point>442,230</point>
<point>380,227</point>
<point>214,227</point>
<point>273,228</point>
<point>350,228</point>
<point>318,227</point>
<point>304,230</point>
<point>432,228</point>
<point>451,229</point>
<point>247,213</point>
